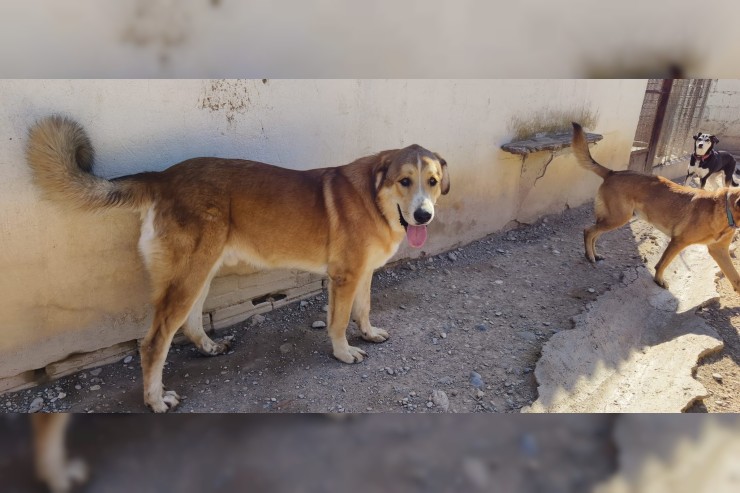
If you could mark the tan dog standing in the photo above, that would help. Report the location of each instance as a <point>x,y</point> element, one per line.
<point>199,214</point>
<point>687,215</point>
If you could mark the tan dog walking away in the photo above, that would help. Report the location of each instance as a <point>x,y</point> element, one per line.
<point>344,221</point>
<point>687,215</point>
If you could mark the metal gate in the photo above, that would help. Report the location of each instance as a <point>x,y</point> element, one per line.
<point>671,111</point>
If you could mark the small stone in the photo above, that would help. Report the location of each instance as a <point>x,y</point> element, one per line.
<point>127,360</point>
<point>481,327</point>
<point>498,314</point>
<point>591,290</point>
<point>498,281</point>
<point>443,335</point>
<point>36,405</point>
<point>452,256</point>
<point>61,395</point>
<point>430,404</point>
<point>78,387</point>
<point>95,387</point>
<point>445,380</point>
<point>286,348</point>
<point>318,324</point>
<point>389,371</point>
<point>477,473</point>
<point>8,404</point>
<point>480,394</point>
<point>325,308</point>
<point>96,372</point>
<point>528,445</point>
<point>304,304</point>
<point>301,396</point>
<point>475,379</point>
<point>717,377</point>
<point>257,319</point>
<point>440,399</point>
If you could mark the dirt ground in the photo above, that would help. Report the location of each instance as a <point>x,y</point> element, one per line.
<point>466,327</point>
<point>313,454</point>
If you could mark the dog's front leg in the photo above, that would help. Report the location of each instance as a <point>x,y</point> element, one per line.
<point>673,249</point>
<point>361,311</point>
<point>50,453</point>
<point>342,288</point>
<point>720,252</point>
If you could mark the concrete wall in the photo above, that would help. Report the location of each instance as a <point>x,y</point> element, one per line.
<point>722,114</point>
<point>73,283</point>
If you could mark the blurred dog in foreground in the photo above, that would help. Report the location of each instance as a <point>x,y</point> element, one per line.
<point>53,468</point>
<point>687,215</point>
<point>344,222</point>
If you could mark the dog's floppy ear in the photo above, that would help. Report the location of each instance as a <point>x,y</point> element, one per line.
<point>445,184</point>
<point>697,136</point>
<point>380,169</point>
<point>713,139</point>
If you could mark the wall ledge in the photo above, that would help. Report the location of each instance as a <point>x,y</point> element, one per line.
<point>549,141</point>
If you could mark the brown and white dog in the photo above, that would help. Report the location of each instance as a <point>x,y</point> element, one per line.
<point>59,473</point>
<point>344,222</point>
<point>687,215</point>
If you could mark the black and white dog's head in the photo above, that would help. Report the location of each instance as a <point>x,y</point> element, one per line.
<point>703,143</point>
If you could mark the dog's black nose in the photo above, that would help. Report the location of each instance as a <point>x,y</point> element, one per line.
<point>421,216</point>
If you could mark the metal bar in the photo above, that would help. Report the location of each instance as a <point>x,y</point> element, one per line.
<point>658,123</point>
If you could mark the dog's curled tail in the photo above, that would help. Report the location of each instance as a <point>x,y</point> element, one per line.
<point>583,155</point>
<point>61,158</point>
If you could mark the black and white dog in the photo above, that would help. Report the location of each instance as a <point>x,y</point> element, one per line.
<point>705,161</point>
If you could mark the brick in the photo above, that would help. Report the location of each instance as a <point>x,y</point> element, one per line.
<point>25,380</point>
<point>92,359</point>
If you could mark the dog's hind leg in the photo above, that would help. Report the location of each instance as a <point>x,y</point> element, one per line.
<point>177,290</point>
<point>720,252</point>
<point>674,248</point>
<point>193,326</point>
<point>608,217</point>
<point>361,311</point>
<point>342,288</point>
<point>50,453</point>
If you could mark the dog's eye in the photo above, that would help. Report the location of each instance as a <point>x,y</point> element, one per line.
<point>406,182</point>
<point>432,181</point>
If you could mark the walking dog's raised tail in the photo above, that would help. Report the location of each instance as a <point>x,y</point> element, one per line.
<point>61,158</point>
<point>583,155</point>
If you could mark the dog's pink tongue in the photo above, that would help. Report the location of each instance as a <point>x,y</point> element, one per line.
<point>416,235</point>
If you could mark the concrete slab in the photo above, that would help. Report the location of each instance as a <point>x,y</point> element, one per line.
<point>634,348</point>
<point>676,454</point>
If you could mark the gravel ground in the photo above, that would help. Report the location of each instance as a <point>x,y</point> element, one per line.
<point>467,328</point>
<point>312,454</point>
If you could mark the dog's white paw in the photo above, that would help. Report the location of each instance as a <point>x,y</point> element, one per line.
<point>168,400</point>
<point>350,354</point>
<point>215,348</point>
<point>73,473</point>
<point>375,335</point>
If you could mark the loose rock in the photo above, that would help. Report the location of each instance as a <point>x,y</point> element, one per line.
<point>319,324</point>
<point>440,399</point>
<point>36,405</point>
<point>475,379</point>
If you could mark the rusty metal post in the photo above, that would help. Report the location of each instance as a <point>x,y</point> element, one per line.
<point>665,92</point>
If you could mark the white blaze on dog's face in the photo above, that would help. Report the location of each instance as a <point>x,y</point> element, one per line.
<point>408,182</point>
<point>703,143</point>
